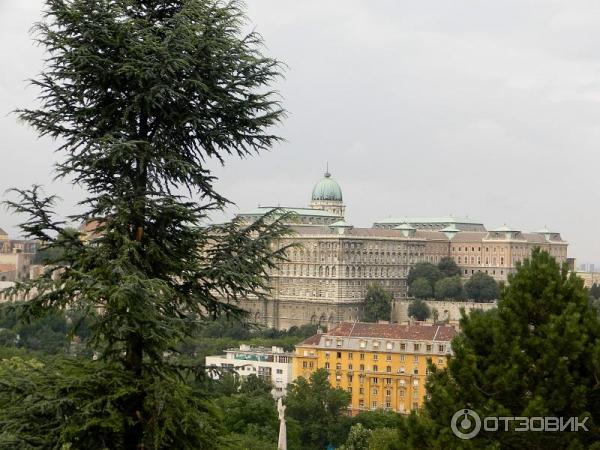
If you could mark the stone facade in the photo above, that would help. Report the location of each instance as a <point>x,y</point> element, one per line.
<point>326,277</point>
<point>16,257</point>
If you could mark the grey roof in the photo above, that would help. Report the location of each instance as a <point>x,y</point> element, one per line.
<point>340,224</point>
<point>405,226</point>
<point>447,219</point>
<point>504,228</point>
<point>450,229</point>
<point>262,210</point>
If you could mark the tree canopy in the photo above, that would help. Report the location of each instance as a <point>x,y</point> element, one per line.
<point>425,270</point>
<point>537,354</point>
<point>449,288</point>
<point>377,304</point>
<point>419,310</point>
<point>482,288</point>
<point>140,96</point>
<point>420,288</point>
<point>448,268</point>
<point>319,409</point>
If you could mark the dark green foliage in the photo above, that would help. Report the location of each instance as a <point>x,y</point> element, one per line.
<point>80,404</point>
<point>53,333</point>
<point>140,95</point>
<point>319,410</point>
<point>419,310</point>
<point>595,291</point>
<point>448,268</point>
<point>482,288</point>
<point>420,288</point>
<point>424,270</point>
<point>377,304</point>
<point>449,288</point>
<point>378,419</point>
<point>537,354</point>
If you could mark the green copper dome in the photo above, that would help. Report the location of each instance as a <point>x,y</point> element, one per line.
<point>327,189</point>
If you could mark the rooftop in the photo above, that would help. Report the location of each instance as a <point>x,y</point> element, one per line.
<point>262,210</point>
<point>414,220</point>
<point>387,331</point>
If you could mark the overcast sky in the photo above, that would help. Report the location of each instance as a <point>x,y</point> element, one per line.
<point>485,109</point>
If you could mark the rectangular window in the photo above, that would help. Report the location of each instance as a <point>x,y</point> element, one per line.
<point>402,346</point>
<point>327,365</point>
<point>362,356</point>
<point>428,347</point>
<point>402,358</point>
<point>361,391</point>
<point>374,404</point>
<point>350,355</point>
<point>375,368</point>
<point>304,364</point>
<point>388,357</point>
<point>339,355</point>
<point>417,347</point>
<point>441,348</point>
<point>375,357</point>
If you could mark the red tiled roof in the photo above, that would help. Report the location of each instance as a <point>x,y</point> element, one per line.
<point>394,331</point>
<point>7,268</point>
<point>313,340</point>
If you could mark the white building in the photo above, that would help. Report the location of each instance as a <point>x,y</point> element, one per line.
<point>272,365</point>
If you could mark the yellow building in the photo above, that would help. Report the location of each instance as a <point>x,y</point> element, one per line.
<point>381,365</point>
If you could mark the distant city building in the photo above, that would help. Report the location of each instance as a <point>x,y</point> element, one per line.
<point>381,365</point>
<point>327,275</point>
<point>17,256</point>
<point>589,278</point>
<point>272,365</point>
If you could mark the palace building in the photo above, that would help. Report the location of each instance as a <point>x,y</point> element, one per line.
<point>326,276</point>
<point>381,366</point>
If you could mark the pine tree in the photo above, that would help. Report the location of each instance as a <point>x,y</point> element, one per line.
<point>537,355</point>
<point>141,95</point>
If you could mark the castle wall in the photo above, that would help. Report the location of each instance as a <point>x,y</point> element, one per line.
<point>447,310</point>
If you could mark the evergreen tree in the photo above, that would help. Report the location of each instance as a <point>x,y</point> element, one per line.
<point>482,288</point>
<point>140,96</point>
<point>449,288</point>
<point>424,270</point>
<point>448,268</point>
<point>420,288</point>
<point>377,304</point>
<point>419,310</point>
<point>536,355</point>
<point>319,409</point>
